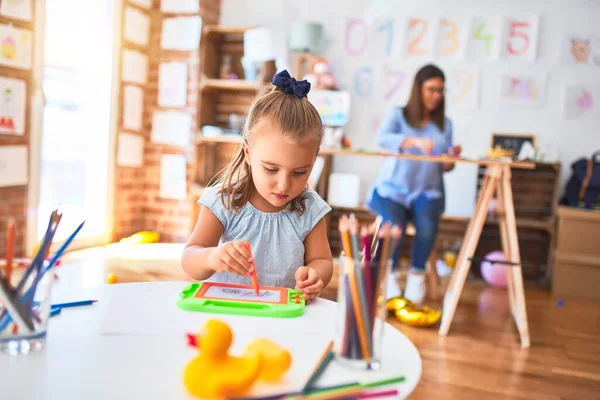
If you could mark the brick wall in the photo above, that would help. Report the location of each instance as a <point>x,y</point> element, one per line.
<point>13,200</point>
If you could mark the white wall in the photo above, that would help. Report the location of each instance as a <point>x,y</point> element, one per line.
<point>558,138</point>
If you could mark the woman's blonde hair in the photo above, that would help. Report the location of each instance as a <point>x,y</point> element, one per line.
<point>297,119</point>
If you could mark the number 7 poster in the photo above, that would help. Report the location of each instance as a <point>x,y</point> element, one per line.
<point>520,38</point>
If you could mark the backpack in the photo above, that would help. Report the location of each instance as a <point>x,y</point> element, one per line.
<point>583,187</point>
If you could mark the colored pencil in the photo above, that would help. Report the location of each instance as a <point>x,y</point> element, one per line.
<point>324,360</point>
<point>384,382</point>
<point>10,246</point>
<point>253,274</point>
<point>358,314</point>
<point>55,311</point>
<point>75,304</point>
<point>367,269</point>
<point>378,395</point>
<point>345,235</point>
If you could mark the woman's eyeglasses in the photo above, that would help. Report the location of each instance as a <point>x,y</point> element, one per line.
<point>434,90</point>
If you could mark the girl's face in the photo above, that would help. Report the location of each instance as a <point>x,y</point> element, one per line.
<point>280,168</point>
<point>432,93</point>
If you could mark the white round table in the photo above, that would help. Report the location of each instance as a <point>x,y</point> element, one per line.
<point>132,345</point>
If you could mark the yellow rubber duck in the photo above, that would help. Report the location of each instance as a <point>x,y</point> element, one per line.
<point>409,313</point>
<point>274,360</point>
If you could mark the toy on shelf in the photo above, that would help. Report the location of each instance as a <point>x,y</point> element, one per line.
<point>499,153</point>
<point>320,76</point>
<point>214,373</point>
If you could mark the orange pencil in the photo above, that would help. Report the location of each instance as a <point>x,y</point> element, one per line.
<point>253,275</point>
<point>10,241</point>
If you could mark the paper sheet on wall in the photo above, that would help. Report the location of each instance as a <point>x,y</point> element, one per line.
<point>581,101</point>
<point>520,38</point>
<point>582,49</point>
<point>12,106</point>
<point>16,47</point>
<point>17,9</point>
<point>130,150</point>
<point>485,38</point>
<point>135,67</point>
<point>181,33</point>
<point>137,26</point>
<point>523,91</point>
<point>133,107</point>
<point>463,86</point>
<point>172,177</point>
<point>421,33</point>
<point>142,3</point>
<point>453,37</point>
<point>171,127</point>
<point>172,84</point>
<point>180,6</point>
<point>13,166</point>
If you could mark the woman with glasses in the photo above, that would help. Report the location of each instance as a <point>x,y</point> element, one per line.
<point>413,190</point>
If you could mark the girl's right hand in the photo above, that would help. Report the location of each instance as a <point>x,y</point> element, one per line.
<point>232,257</point>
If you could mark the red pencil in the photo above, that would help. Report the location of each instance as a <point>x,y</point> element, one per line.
<point>253,274</point>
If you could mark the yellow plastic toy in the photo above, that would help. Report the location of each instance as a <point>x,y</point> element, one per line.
<point>112,278</point>
<point>412,314</point>
<point>141,237</point>
<point>215,374</point>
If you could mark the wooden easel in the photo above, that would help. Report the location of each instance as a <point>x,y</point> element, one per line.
<point>497,180</point>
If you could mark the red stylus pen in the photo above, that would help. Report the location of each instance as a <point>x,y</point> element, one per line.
<point>253,275</point>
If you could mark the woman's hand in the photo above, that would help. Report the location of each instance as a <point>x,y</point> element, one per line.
<point>309,283</point>
<point>455,151</point>
<point>426,145</point>
<point>232,257</point>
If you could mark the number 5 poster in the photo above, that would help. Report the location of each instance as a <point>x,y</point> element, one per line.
<point>520,38</point>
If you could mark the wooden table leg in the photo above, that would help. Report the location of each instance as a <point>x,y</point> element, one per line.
<point>501,211</point>
<point>468,247</point>
<point>519,311</point>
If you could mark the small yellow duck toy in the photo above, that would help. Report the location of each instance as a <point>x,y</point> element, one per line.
<point>214,374</point>
<point>411,314</point>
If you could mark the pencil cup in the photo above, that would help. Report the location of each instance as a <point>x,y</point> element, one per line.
<point>24,317</point>
<point>361,302</point>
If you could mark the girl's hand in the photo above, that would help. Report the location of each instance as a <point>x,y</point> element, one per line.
<point>232,257</point>
<point>309,283</point>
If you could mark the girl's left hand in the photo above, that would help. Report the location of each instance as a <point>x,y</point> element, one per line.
<point>309,282</point>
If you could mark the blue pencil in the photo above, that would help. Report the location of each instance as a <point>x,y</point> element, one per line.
<point>75,304</point>
<point>55,311</point>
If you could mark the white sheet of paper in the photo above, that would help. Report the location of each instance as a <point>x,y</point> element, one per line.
<point>181,33</point>
<point>12,106</point>
<point>17,9</point>
<point>453,38</point>
<point>579,48</point>
<point>135,67</point>
<point>581,101</point>
<point>172,177</point>
<point>137,26</point>
<point>171,127</point>
<point>172,84</point>
<point>13,166</point>
<point>463,86</point>
<point>421,33</point>
<point>520,38</point>
<point>180,6</point>
<point>142,3</point>
<point>523,90</point>
<point>485,38</point>
<point>133,107</point>
<point>247,294</point>
<point>16,47</point>
<point>130,150</point>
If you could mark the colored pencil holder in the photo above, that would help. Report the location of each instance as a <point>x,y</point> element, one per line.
<point>361,303</point>
<point>24,323</point>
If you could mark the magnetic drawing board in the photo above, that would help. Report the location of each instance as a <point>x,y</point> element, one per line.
<point>223,298</point>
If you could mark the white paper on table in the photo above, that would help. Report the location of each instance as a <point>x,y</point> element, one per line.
<point>133,107</point>
<point>421,34</point>
<point>463,86</point>
<point>13,166</point>
<point>142,3</point>
<point>130,150</point>
<point>16,47</point>
<point>485,38</point>
<point>172,84</point>
<point>180,6</point>
<point>581,101</point>
<point>172,177</point>
<point>12,106</point>
<point>171,127</point>
<point>520,38</point>
<point>135,67</point>
<point>453,37</point>
<point>181,33</point>
<point>137,26</point>
<point>17,9</point>
<point>523,90</point>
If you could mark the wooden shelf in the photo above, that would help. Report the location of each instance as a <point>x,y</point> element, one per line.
<point>224,139</point>
<point>225,30</point>
<point>228,84</point>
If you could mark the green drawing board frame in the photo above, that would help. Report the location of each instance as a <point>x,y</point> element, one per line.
<point>194,298</point>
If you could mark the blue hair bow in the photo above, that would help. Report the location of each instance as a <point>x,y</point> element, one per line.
<point>289,85</point>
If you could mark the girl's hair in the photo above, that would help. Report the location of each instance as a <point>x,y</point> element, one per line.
<point>296,118</point>
<point>414,111</point>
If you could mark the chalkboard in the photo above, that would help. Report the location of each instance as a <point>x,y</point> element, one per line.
<point>511,141</point>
